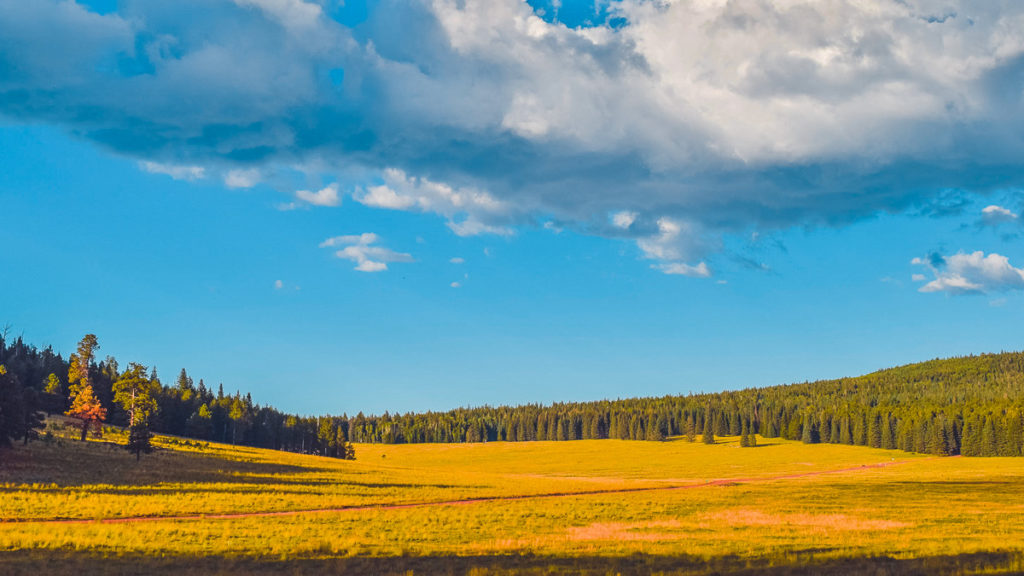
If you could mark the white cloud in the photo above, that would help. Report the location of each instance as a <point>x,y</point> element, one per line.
<point>361,250</point>
<point>458,260</point>
<point>242,178</point>
<point>176,172</point>
<point>474,227</point>
<point>470,212</point>
<point>455,285</point>
<point>674,242</point>
<point>728,115</point>
<point>327,196</point>
<point>973,273</point>
<point>994,215</point>
<point>624,219</point>
<point>278,284</point>
<point>699,271</point>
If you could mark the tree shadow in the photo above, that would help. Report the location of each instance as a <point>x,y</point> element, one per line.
<point>793,563</point>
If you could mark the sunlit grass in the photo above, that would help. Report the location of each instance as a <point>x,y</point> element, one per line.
<point>920,507</point>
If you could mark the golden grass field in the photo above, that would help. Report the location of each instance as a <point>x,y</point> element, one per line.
<point>593,507</point>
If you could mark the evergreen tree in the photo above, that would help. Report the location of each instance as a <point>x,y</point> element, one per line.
<point>744,435</point>
<point>11,407</point>
<point>140,439</point>
<point>134,392</point>
<point>86,407</point>
<point>708,437</point>
<point>809,434</point>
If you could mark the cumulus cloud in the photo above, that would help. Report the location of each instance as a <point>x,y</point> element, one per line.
<point>623,219</point>
<point>973,273</point>
<point>242,178</point>
<point>470,212</point>
<point>177,172</point>
<point>362,250</point>
<point>674,242</point>
<point>327,196</point>
<point>994,215</point>
<point>725,115</point>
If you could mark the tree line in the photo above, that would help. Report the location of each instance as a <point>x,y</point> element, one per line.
<point>971,405</point>
<point>96,392</point>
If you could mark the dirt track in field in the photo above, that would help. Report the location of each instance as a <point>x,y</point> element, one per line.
<point>467,501</point>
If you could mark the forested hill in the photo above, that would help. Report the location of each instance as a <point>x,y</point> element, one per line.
<point>971,405</point>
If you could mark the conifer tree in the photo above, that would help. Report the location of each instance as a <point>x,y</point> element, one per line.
<point>134,392</point>
<point>11,407</point>
<point>708,437</point>
<point>86,407</point>
<point>140,439</point>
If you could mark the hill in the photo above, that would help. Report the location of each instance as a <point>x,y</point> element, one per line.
<point>971,406</point>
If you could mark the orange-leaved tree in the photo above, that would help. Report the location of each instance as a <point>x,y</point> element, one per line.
<point>86,407</point>
<point>84,404</point>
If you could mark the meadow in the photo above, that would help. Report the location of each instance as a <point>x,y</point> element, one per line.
<point>593,507</point>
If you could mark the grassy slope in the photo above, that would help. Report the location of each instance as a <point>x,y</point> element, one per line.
<point>927,514</point>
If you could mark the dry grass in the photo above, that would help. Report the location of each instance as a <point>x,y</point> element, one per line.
<point>942,513</point>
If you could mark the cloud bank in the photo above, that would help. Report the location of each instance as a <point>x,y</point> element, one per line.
<point>686,119</point>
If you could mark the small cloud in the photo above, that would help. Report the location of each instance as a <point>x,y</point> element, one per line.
<point>973,273</point>
<point>324,197</point>
<point>674,241</point>
<point>624,219</point>
<point>722,282</point>
<point>281,285</point>
<point>458,260</point>
<point>361,249</point>
<point>474,227</point>
<point>246,178</point>
<point>188,173</point>
<point>997,302</point>
<point>550,225</point>
<point>995,215</point>
<point>470,212</point>
<point>455,285</point>
<point>287,206</point>
<point>918,277</point>
<point>678,268</point>
<point>384,197</point>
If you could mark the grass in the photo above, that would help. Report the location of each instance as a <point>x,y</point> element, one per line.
<point>935,515</point>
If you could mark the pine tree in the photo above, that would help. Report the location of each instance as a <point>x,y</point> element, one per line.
<point>11,407</point>
<point>708,437</point>
<point>691,428</point>
<point>809,435</point>
<point>875,431</point>
<point>87,408</point>
<point>134,392</point>
<point>744,433</point>
<point>140,439</point>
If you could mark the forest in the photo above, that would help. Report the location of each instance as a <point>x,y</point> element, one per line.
<point>971,405</point>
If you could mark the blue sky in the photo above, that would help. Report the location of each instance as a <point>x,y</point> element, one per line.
<point>423,205</point>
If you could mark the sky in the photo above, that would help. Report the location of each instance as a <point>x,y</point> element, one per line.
<point>419,205</point>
